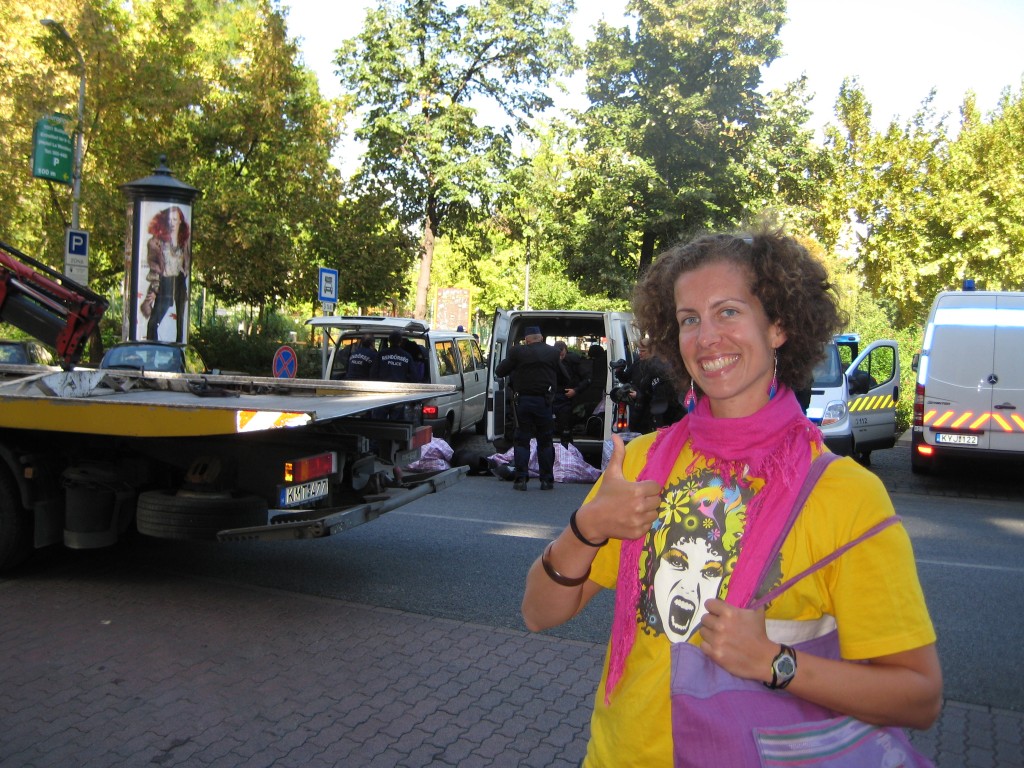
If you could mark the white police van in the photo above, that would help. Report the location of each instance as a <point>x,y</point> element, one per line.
<point>969,399</point>
<point>449,357</point>
<point>854,395</point>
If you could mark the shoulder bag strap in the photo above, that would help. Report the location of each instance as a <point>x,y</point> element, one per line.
<point>877,528</point>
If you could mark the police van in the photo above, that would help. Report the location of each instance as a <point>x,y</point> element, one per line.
<point>854,394</point>
<point>447,357</point>
<point>602,337</point>
<point>969,399</point>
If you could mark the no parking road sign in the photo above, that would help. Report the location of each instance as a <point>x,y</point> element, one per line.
<point>286,363</point>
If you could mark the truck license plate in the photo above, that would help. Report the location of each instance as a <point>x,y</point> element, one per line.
<point>293,495</point>
<point>942,437</point>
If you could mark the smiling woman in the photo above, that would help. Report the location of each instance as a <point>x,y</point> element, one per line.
<point>713,523</point>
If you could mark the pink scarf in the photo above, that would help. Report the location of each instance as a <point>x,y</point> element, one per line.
<point>773,444</point>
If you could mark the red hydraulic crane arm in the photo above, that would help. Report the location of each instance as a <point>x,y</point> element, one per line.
<point>47,305</point>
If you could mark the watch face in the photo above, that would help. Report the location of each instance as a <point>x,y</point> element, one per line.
<point>784,666</point>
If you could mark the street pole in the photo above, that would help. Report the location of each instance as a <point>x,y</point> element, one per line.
<point>76,181</point>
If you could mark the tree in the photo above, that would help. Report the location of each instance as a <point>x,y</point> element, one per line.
<point>418,70</point>
<point>215,85</point>
<point>675,103</point>
<point>262,137</point>
<point>978,193</point>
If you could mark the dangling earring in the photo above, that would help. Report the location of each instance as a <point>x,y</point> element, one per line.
<point>691,399</point>
<point>775,378</point>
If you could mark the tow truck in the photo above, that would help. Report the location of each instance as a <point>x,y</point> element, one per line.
<point>85,454</point>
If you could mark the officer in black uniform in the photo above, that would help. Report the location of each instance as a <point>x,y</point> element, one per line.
<point>362,360</point>
<point>393,364</point>
<point>537,374</point>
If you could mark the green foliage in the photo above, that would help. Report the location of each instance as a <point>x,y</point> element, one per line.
<point>224,348</point>
<point>676,138</point>
<point>674,117</point>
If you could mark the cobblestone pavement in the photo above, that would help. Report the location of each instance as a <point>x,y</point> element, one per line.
<point>128,668</point>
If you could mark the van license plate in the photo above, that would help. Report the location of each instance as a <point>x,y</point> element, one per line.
<point>294,495</point>
<point>942,437</point>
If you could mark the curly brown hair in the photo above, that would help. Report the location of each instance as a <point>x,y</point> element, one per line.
<point>792,286</point>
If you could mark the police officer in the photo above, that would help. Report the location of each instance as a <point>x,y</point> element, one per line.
<point>362,360</point>
<point>395,364</point>
<point>537,374</point>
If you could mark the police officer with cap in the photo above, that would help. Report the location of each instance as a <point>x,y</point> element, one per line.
<point>537,374</point>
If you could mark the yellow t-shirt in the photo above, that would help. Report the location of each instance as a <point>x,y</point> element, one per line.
<point>872,590</point>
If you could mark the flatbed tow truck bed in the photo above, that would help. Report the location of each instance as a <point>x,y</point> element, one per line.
<point>153,404</point>
<point>201,457</point>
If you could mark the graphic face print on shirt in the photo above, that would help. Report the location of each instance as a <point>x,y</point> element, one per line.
<point>690,552</point>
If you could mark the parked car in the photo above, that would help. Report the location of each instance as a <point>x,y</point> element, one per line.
<point>24,353</point>
<point>154,356</point>
<point>449,357</point>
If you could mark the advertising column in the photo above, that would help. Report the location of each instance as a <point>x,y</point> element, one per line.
<point>158,257</point>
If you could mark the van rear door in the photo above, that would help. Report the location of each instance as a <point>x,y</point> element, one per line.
<point>496,394</point>
<point>959,360</point>
<point>873,379</point>
<point>1007,423</point>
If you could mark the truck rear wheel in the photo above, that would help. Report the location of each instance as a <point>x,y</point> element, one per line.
<point>15,544</point>
<point>196,516</point>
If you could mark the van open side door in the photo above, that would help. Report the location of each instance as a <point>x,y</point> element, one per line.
<point>873,379</point>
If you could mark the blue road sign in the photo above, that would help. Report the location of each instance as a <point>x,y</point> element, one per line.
<point>328,285</point>
<point>77,243</point>
<point>286,363</point>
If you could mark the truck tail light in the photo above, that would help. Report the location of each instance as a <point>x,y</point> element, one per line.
<point>301,470</point>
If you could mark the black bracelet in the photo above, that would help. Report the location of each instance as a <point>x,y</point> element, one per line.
<point>580,536</point>
<point>555,576</point>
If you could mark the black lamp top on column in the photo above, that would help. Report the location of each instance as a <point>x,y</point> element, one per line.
<point>161,185</point>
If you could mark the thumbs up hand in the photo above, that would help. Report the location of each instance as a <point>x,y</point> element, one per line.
<point>621,508</point>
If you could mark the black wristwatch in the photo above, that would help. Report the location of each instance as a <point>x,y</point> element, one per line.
<point>783,668</point>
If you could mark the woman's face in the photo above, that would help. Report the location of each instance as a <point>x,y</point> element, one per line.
<point>174,219</point>
<point>689,572</point>
<point>725,338</point>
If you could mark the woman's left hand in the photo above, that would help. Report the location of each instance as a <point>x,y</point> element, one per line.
<point>735,639</point>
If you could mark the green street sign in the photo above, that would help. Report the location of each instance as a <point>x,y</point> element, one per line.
<point>53,150</point>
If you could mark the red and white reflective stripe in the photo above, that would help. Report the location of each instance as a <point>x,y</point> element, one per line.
<point>950,420</point>
<point>258,421</point>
